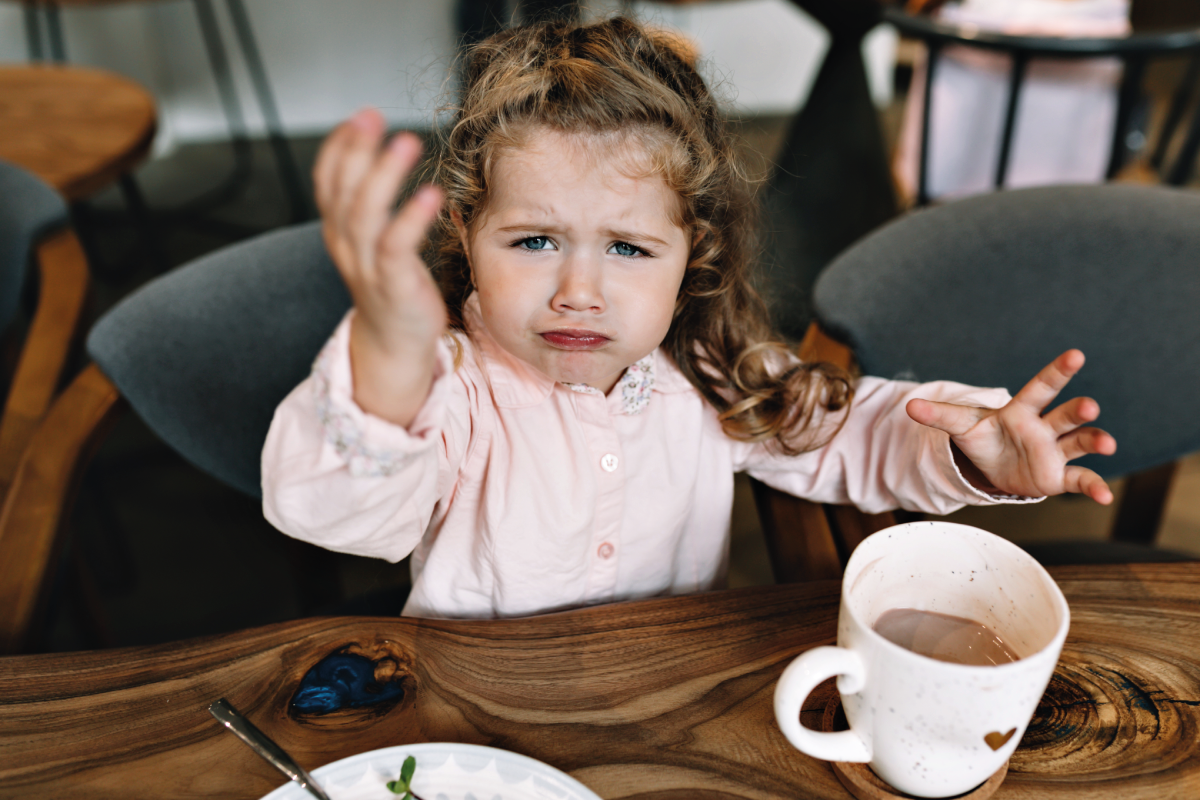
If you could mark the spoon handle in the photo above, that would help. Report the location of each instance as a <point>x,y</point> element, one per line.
<point>260,743</point>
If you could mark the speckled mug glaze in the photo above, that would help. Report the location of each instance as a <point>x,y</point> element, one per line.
<point>931,728</point>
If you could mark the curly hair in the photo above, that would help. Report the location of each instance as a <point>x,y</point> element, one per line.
<point>617,79</point>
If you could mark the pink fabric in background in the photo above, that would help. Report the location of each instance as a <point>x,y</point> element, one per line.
<point>1067,108</point>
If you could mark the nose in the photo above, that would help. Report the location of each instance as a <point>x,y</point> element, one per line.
<point>580,285</point>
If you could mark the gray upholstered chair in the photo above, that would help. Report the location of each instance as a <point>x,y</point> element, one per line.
<point>988,290</point>
<point>203,355</point>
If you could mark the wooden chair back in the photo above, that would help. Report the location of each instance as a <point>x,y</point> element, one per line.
<point>809,541</point>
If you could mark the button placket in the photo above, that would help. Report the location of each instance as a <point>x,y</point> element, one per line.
<point>604,447</point>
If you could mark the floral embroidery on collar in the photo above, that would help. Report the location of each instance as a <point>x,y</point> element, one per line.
<point>635,386</point>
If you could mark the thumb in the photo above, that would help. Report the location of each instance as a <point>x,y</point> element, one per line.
<point>949,417</point>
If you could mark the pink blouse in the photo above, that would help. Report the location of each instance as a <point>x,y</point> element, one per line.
<point>516,495</point>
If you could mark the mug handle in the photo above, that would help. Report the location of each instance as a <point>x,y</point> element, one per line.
<point>798,681</point>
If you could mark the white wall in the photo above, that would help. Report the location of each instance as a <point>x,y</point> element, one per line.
<point>327,59</point>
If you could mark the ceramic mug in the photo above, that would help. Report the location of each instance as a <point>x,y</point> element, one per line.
<point>928,727</point>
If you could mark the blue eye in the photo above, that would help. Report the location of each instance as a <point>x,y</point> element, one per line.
<point>626,249</point>
<point>535,243</point>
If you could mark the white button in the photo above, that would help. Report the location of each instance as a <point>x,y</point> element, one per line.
<point>605,550</point>
<point>609,462</point>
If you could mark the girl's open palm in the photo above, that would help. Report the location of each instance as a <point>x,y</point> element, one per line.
<point>399,312</point>
<point>1019,450</point>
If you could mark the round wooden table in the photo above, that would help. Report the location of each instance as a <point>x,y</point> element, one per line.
<point>78,129</point>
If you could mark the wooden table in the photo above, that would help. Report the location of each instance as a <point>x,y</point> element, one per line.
<point>77,129</point>
<point>656,700</point>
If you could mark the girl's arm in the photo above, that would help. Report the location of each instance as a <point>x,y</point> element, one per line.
<point>399,310</point>
<point>880,459</point>
<point>974,446</point>
<point>334,475</point>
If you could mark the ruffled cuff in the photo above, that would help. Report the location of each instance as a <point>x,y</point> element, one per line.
<point>370,446</point>
<point>948,468</point>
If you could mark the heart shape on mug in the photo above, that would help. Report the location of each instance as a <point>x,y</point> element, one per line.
<point>996,740</point>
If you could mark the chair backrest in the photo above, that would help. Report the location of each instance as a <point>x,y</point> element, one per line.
<point>988,290</point>
<point>204,354</point>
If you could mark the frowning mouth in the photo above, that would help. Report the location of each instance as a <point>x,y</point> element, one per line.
<point>574,339</point>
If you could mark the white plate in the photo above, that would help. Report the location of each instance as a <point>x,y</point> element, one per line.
<point>445,771</point>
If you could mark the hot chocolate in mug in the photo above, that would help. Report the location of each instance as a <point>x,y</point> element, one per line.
<point>931,727</point>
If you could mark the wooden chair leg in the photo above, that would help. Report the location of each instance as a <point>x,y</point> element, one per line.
<point>39,500</point>
<point>1142,506</point>
<point>850,526</point>
<point>62,292</point>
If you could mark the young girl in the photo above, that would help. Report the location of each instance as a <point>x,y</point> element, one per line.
<point>556,422</point>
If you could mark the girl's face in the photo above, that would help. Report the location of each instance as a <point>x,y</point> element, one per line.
<point>577,266</point>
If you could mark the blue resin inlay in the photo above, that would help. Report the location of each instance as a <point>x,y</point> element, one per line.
<point>342,680</point>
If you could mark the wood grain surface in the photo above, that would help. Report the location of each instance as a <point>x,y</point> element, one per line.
<point>654,700</point>
<point>77,129</point>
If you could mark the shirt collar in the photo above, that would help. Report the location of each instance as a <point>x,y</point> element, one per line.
<point>516,384</point>
<point>635,386</point>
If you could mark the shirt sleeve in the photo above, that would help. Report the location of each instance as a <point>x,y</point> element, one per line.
<point>346,480</point>
<point>881,459</point>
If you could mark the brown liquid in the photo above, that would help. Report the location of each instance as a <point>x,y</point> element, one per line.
<point>946,638</point>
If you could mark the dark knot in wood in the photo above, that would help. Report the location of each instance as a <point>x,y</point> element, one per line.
<point>1103,716</point>
<point>356,681</point>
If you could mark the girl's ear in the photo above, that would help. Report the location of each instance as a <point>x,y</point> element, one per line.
<point>461,227</point>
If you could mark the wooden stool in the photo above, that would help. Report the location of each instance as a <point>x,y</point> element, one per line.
<point>38,12</point>
<point>77,129</point>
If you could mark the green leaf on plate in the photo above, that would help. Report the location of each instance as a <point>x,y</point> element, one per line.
<point>401,786</point>
<point>407,770</point>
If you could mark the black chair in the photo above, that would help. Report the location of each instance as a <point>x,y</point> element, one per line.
<point>1135,51</point>
<point>989,289</point>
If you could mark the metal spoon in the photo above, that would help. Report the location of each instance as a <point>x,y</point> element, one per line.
<point>260,743</point>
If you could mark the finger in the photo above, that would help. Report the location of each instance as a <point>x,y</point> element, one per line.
<point>1045,386</point>
<point>1084,441</point>
<point>369,212</point>
<point>949,417</point>
<point>406,232</point>
<point>1083,481</point>
<point>332,153</point>
<point>358,156</point>
<point>1071,414</point>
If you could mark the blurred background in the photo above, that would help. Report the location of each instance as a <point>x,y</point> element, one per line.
<point>174,553</point>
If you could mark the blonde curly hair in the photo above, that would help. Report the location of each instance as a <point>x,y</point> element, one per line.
<point>618,80</point>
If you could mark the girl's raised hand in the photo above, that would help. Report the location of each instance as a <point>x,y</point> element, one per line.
<point>1019,450</point>
<point>399,312</point>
